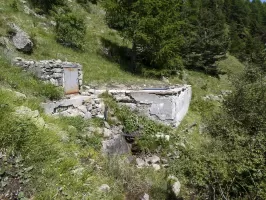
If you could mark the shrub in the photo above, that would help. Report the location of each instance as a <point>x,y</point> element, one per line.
<point>14,5</point>
<point>46,5</point>
<point>70,30</point>
<point>50,91</point>
<point>86,4</point>
<point>231,162</point>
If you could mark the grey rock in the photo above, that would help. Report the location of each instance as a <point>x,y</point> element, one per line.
<point>106,125</point>
<point>145,197</point>
<point>107,133</point>
<point>164,79</point>
<point>89,107</point>
<point>53,23</point>
<point>156,167</point>
<point>21,39</point>
<point>116,146</point>
<point>83,109</point>
<point>87,115</point>
<point>99,130</point>
<point>153,159</point>
<point>174,184</point>
<point>140,163</point>
<point>104,188</point>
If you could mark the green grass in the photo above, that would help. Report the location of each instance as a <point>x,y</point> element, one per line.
<point>52,167</point>
<point>54,159</point>
<point>97,68</point>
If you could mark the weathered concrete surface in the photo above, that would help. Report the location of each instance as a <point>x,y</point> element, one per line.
<point>168,106</point>
<point>165,105</point>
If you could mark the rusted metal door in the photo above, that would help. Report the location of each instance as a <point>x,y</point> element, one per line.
<point>71,82</point>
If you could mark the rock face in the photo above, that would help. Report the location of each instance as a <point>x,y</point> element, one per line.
<point>116,146</point>
<point>21,39</point>
<point>167,105</point>
<point>51,71</point>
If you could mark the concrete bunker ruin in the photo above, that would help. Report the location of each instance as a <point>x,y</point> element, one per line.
<point>165,105</point>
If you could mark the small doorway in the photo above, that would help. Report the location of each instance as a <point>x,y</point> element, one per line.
<point>71,81</point>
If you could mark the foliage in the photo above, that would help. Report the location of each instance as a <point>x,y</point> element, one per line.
<point>70,30</point>
<point>14,5</point>
<point>137,182</point>
<point>230,164</point>
<point>147,129</point>
<point>25,82</point>
<point>168,35</point>
<point>46,5</point>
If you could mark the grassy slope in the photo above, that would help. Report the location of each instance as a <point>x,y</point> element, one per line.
<point>96,67</point>
<point>57,169</point>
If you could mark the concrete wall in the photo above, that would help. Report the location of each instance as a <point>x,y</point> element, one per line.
<point>48,70</point>
<point>168,106</point>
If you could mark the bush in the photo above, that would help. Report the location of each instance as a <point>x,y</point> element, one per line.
<point>85,2</point>
<point>231,163</point>
<point>70,30</point>
<point>50,91</point>
<point>46,5</point>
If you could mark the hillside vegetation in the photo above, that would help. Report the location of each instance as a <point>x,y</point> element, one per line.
<point>217,47</point>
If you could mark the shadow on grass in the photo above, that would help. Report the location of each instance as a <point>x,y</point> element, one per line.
<point>117,54</point>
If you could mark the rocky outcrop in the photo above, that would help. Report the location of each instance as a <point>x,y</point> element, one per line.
<point>20,39</point>
<point>51,71</point>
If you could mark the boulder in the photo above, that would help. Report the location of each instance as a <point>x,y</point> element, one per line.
<point>21,39</point>
<point>116,146</point>
<point>145,197</point>
<point>174,186</point>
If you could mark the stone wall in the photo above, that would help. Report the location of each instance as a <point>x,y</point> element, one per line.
<point>48,70</point>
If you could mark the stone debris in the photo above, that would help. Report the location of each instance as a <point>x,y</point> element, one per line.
<point>20,39</point>
<point>104,188</point>
<point>219,98</point>
<point>156,167</point>
<point>151,161</point>
<point>145,197</point>
<point>84,106</point>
